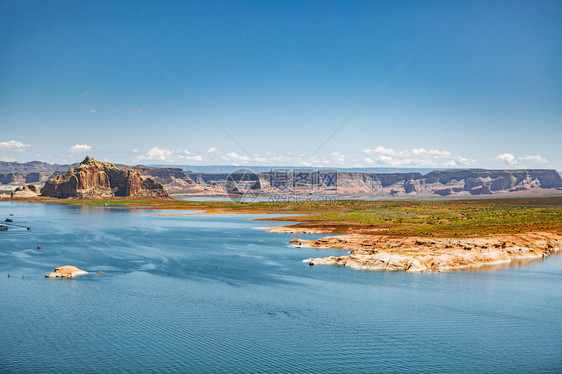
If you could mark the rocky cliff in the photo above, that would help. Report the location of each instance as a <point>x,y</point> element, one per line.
<point>442,182</point>
<point>20,177</point>
<point>461,182</point>
<point>480,181</point>
<point>94,179</point>
<point>33,166</point>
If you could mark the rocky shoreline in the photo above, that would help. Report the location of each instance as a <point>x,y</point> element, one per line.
<point>415,236</point>
<point>421,254</point>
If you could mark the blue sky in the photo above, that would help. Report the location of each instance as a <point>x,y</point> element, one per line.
<point>481,86</point>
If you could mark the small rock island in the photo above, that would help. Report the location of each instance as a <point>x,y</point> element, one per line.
<point>66,271</point>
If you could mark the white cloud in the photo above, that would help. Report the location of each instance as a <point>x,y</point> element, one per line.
<point>236,158</point>
<point>388,160</point>
<point>417,157</point>
<point>79,148</point>
<point>187,156</point>
<point>161,154</point>
<point>13,146</point>
<point>156,153</point>
<point>94,111</point>
<point>380,149</point>
<point>511,160</point>
<point>288,159</point>
<point>305,163</point>
<point>534,158</point>
<point>281,159</point>
<point>337,158</point>
<point>508,158</point>
<point>212,150</point>
<point>451,163</point>
<point>7,159</point>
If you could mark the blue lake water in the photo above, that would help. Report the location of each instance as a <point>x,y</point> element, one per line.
<point>210,294</point>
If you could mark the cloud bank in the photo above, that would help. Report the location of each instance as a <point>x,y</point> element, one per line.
<point>417,157</point>
<point>166,155</point>
<point>13,146</point>
<point>512,160</point>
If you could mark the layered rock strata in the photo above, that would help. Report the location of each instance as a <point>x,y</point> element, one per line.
<point>94,179</point>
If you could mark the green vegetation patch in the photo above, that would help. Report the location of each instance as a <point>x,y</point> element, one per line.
<point>404,217</point>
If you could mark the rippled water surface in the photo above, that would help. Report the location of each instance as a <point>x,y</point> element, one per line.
<point>208,293</point>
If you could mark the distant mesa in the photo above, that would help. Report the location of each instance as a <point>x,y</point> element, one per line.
<point>95,179</point>
<point>454,182</point>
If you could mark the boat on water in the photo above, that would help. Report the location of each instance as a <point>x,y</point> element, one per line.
<point>3,228</point>
<point>8,220</point>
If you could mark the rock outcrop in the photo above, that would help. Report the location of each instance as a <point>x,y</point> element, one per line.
<point>461,182</point>
<point>454,182</point>
<point>33,166</point>
<point>175,180</point>
<point>94,179</point>
<point>66,271</point>
<point>29,190</point>
<point>418,254</point>
<point>19,177</point>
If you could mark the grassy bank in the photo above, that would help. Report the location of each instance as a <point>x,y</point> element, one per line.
<point>433,218</point>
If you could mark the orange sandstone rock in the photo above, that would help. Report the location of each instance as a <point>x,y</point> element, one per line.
<point>94,179</point>
<point>66,271</point>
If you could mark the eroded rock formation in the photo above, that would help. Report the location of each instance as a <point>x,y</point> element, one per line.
<point>459,182</point>
<point>462,182</point>
<point>94,179</point>
<point>29,190</point>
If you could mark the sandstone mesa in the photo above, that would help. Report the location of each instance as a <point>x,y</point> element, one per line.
<point>453,182</point>
<point>95,179</point>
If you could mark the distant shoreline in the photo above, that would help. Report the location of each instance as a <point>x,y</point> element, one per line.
<point>412,235</point>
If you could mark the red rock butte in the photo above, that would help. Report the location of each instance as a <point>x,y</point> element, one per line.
<point>95,179</point>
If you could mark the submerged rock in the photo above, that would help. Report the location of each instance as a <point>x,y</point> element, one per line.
<point>66,271</point>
